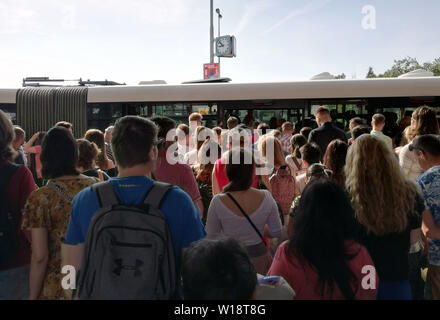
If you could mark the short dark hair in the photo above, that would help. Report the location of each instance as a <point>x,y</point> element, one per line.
<point>322,110</point>
<point>264,127</point>
<point>378,118</point>
<point>164,124</point>
<point>241,174</point>
<point>132,139</point>
<point>311,153</point>
<point>357,121</point>
<point>217,269</point>
<point>360,130</point>
<point>429,143</point>
<point>232,122</point>
<point>64,124</point>
<point>59,153</point>
<point>306,131</point>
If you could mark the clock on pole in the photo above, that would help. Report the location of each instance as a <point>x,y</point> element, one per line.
<point>225,46</point>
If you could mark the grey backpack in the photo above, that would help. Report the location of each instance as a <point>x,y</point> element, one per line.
<point>128,251</point>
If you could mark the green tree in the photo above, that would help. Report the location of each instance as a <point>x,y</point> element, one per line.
<point>400,67</point>
<point>433,66</point>
<point>340,76</point>
<point>371,73</point>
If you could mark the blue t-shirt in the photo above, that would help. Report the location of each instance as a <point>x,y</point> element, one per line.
<point>183,220</point>
<point>429,182</point>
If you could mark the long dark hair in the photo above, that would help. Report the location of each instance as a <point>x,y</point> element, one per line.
<point>324,222</point>
<point>240,174</point>
<point>334,159</point>
<point>59,154</point>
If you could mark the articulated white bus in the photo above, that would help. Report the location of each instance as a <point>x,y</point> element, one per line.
<point>37,109</point>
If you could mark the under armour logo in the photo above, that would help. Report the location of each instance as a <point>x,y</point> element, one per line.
<point>120,267</point>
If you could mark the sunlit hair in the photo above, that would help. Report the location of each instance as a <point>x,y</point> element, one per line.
<point>195,116</point>
<point>96,136</point>
<point>296,142</point>
<point>408,135</point>
<point>87,153</point>
<point>381,195</point>
<point>278,155</point>
<point>426,119</point>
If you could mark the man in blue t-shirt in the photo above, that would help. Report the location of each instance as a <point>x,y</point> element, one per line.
<point>427,151</point>
<point>134,144</point>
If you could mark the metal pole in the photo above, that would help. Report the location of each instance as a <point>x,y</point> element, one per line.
<point>211,33</point>
<point>219,17</point>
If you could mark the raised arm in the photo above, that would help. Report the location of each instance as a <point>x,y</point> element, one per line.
<point>28,146</point>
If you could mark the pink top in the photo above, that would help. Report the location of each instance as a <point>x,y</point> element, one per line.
<point>178,174</point>
<point>304,279</point>
<point>38,165</point>
<point>222,179</point>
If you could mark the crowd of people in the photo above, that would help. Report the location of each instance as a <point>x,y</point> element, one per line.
<point>150,209</point>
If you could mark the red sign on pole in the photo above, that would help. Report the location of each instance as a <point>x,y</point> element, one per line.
<point>211,70</point>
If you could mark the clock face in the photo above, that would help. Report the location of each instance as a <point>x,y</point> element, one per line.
<point>223,46</point>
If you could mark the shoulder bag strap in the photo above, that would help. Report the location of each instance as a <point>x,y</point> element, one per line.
<point>298,165</point>
<point>246,216</point>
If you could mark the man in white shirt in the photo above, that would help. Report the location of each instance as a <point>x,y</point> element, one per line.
<point>378,122</point>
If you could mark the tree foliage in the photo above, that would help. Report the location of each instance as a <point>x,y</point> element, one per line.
<point>406,65</point>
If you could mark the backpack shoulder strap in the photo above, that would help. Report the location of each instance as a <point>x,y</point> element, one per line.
<point>156,194</point>
<point>106,194</point>
<point>6,174</point>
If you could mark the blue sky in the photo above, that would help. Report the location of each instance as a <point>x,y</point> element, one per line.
<point>277,40</point>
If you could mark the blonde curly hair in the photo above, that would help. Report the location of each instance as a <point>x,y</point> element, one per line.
<point>381,195</point>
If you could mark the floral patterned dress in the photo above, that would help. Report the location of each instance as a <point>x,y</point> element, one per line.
<point>49,207</point>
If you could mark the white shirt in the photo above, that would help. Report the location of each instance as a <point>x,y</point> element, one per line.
<point>409,164</point>
<point>301,182</point>
<point>221,220</point>
<point>379,134</point>
<point>292,164</point>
